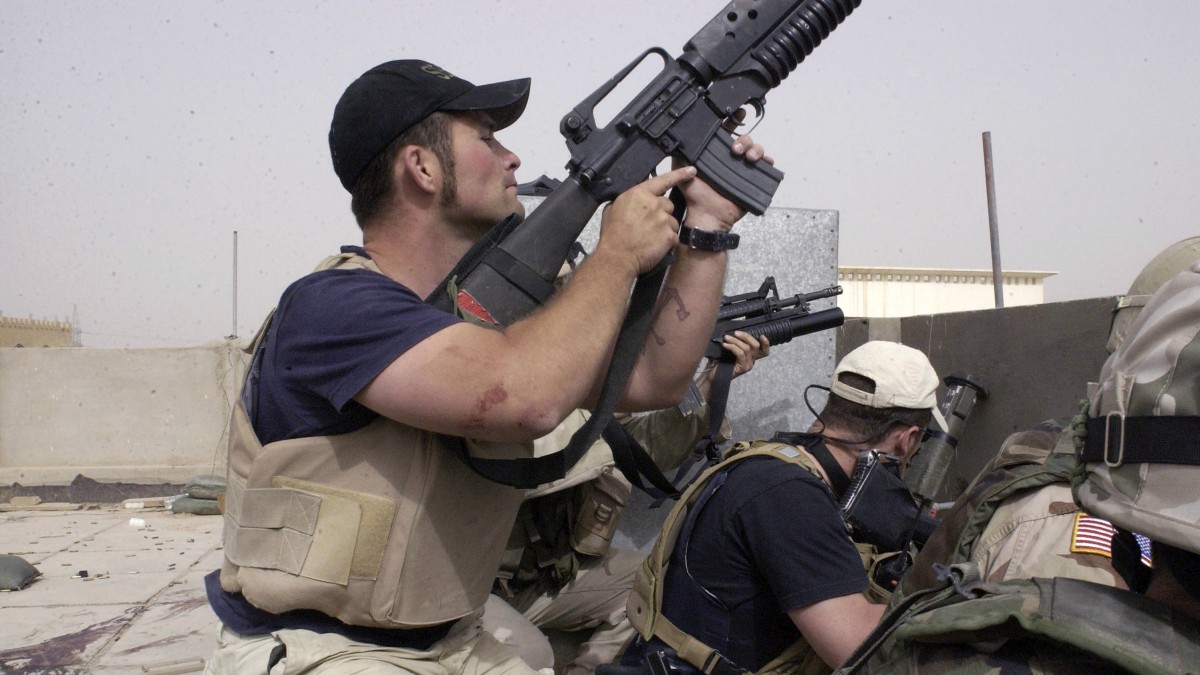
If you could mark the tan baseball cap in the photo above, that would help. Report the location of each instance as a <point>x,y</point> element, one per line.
<point>903,378</point>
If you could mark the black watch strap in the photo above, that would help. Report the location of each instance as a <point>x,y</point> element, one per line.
<point>707,241</point>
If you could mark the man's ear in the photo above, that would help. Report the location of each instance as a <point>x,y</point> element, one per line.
<point>421,167</point>
<point>907,441</point>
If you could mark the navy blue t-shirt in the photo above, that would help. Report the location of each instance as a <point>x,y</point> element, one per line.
<point>768,541</point>
<point>333,332</point>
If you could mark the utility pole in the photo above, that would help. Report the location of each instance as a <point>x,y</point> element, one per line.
<point>234,330</point>
<point>993,225</point>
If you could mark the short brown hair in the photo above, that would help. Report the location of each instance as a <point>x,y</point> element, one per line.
<point>376,187</point>
<point>864,422</point>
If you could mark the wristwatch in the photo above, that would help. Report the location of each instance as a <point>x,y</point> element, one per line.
<point>706,240</point>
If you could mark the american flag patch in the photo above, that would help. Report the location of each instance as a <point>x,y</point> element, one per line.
<point>1092,535</point>
<point>1144,546</point>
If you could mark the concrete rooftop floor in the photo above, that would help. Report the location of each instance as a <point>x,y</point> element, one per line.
<point>140,608</point>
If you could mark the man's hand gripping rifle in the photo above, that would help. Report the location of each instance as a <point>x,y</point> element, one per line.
<point>747,49</point>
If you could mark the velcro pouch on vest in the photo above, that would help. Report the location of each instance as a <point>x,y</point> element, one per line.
<point>603,501</point>
<point>308,529</point>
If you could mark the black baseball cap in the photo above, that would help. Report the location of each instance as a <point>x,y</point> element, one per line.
<point>391,97</point>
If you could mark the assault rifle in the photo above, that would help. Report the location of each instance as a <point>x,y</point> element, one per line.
<point>763,313</point>
<point>743,52</point>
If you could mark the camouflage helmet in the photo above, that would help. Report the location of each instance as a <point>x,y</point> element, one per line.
<point>1170,261</point>
<point>1141,449</point>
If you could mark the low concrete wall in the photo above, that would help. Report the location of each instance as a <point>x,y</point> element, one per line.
<point>140,416</point>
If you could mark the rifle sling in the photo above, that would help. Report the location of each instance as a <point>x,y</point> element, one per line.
<point>633,462</point>
<point>718,399</point>
<point>631,458</point>
<point>629,344</point>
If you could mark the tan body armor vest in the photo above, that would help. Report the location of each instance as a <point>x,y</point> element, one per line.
<point>645,602</point>
<point>384,526</point>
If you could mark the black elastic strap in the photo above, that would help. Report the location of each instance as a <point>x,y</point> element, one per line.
<point>630,340</point>
<point>521,275</point>
<point>629,345</point>
<point>634,462</point>
<point>838,480</point>
<point>1119,440</point>
<point>439,297</point>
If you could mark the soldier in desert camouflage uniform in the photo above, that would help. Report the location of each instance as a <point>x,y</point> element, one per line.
<point>1017,519</point>
<point>1140,460</point>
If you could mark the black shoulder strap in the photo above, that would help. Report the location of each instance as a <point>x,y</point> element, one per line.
<point>1117,440</point>
<point>838,479</point>
<point>475,255</point>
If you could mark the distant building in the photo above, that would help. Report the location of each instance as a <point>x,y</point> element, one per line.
<point>16,332</point>
<point>911,291</point>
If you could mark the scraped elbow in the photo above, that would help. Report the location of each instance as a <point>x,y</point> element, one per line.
<point>537,421</point>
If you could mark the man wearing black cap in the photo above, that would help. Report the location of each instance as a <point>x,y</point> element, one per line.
<point>354,536</point>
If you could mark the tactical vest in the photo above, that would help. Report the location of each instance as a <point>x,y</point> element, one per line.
<point>384,526</point>
<point>645,601</point>
<point>1054,625</point>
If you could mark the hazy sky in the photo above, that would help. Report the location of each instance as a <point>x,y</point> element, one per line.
<point>138,136</point>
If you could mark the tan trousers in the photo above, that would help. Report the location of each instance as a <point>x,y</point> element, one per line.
<point>467,650</point>
<point>594,601</point>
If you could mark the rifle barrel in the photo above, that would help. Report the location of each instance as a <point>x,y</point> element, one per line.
<point>823,293</point>
<point>783,330</point>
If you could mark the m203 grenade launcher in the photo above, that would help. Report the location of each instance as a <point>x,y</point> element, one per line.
<point>743,52</point>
